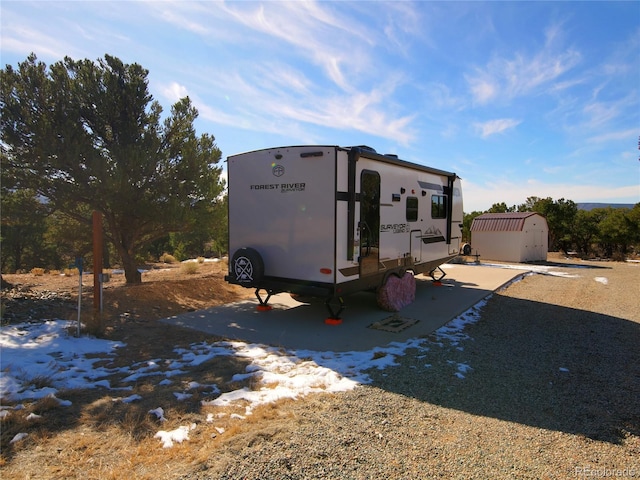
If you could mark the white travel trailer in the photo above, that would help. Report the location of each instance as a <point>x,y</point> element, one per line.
<point>327,221</point>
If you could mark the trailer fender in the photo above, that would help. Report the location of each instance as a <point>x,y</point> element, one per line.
<point>247,267</point>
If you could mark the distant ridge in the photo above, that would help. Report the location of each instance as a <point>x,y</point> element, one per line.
<point>591,206</point>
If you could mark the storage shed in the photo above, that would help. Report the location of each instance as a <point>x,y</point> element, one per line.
<point>510,237</point>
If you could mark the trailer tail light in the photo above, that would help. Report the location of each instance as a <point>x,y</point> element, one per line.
<point>326,271</point>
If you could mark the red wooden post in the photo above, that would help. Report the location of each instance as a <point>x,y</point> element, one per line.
<point>97,260</point>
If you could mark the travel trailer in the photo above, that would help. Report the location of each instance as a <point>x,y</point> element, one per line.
<point>328,221</point>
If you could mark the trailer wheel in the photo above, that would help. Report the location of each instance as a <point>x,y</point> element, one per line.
<point>466,249</point>
<point>248,267</point>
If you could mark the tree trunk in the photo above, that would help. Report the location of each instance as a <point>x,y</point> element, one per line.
<point>124,249</point>
<point>17,257</point>
<point>131,273</point>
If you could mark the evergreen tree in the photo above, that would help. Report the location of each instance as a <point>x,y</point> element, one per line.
<point>88,136</point>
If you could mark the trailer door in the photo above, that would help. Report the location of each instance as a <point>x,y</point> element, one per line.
<point>369,224</point>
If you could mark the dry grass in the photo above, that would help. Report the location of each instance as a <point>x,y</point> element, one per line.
<point>99,436</point>
<point>71,272</point>
<point>190,268</point>
<point>112,440</point>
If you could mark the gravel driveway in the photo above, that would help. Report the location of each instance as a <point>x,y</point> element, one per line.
<point>547,385</point>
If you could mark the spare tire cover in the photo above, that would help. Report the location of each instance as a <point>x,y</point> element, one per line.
<point>247,266</point>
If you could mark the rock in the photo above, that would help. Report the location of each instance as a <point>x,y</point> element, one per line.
<point>22,304</point>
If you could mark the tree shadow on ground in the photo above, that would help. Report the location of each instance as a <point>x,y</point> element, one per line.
<point>102,408</point>
<point>536,364</point>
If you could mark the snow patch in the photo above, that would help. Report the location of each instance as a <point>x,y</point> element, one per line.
<point>38,359</point>
<point>32,352</point>
<point>159,413</point>
<point>179,435</point>
<point>18,437</point>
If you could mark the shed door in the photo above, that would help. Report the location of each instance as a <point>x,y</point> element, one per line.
<point>369,224</point>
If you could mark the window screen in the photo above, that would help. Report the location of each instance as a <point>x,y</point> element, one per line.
<point>438,206</point>
<point>412,209</point>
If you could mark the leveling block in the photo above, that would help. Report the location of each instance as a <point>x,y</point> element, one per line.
<point>264,308</point>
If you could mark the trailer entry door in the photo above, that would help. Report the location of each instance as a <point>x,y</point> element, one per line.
<point>369,224</point>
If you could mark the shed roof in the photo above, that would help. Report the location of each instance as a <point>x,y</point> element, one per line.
<point>501,222</point>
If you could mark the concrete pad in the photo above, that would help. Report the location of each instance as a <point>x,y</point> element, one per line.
<point>300,326</point>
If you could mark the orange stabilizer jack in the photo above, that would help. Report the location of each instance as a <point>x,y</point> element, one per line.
<point>333,321</point>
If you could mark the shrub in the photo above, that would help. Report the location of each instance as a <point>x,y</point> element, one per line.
<point>190,268</point>
<point>93,324</point>
<point>71,272</point>
<point>200,259</point>
<point>38,272</point>
<point>167,258</point>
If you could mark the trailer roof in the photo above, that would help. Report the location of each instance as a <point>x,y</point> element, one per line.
<point>366,152</point>
<point>393,159</point>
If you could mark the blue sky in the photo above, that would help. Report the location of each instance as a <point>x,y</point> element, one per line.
<point>519,98</point>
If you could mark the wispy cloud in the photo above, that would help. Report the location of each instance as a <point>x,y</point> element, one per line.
<point>329,86</point>
<point>522,74</point>
<point>270,95</point>
<point>403,26</point>
<point>596,114</point>
<point>174,92</point>
<point>616,136</point>
<point>175,17</point>
<point>313,30</point>
<point>492,127</point>
<point>19,38</point>
<point>442,97</point>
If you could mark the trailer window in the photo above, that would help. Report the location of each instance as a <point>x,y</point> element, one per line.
<point>438,206</point>
<point>412,209</point>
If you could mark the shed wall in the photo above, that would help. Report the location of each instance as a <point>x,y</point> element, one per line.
<point>535,240</point>
<point>502,246</point>
<point>528,245</point>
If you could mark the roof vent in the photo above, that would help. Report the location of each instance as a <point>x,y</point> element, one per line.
<point>392,155</point>
<point>367,148</point>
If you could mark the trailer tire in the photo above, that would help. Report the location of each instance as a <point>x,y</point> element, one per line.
<point>247,267</point>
